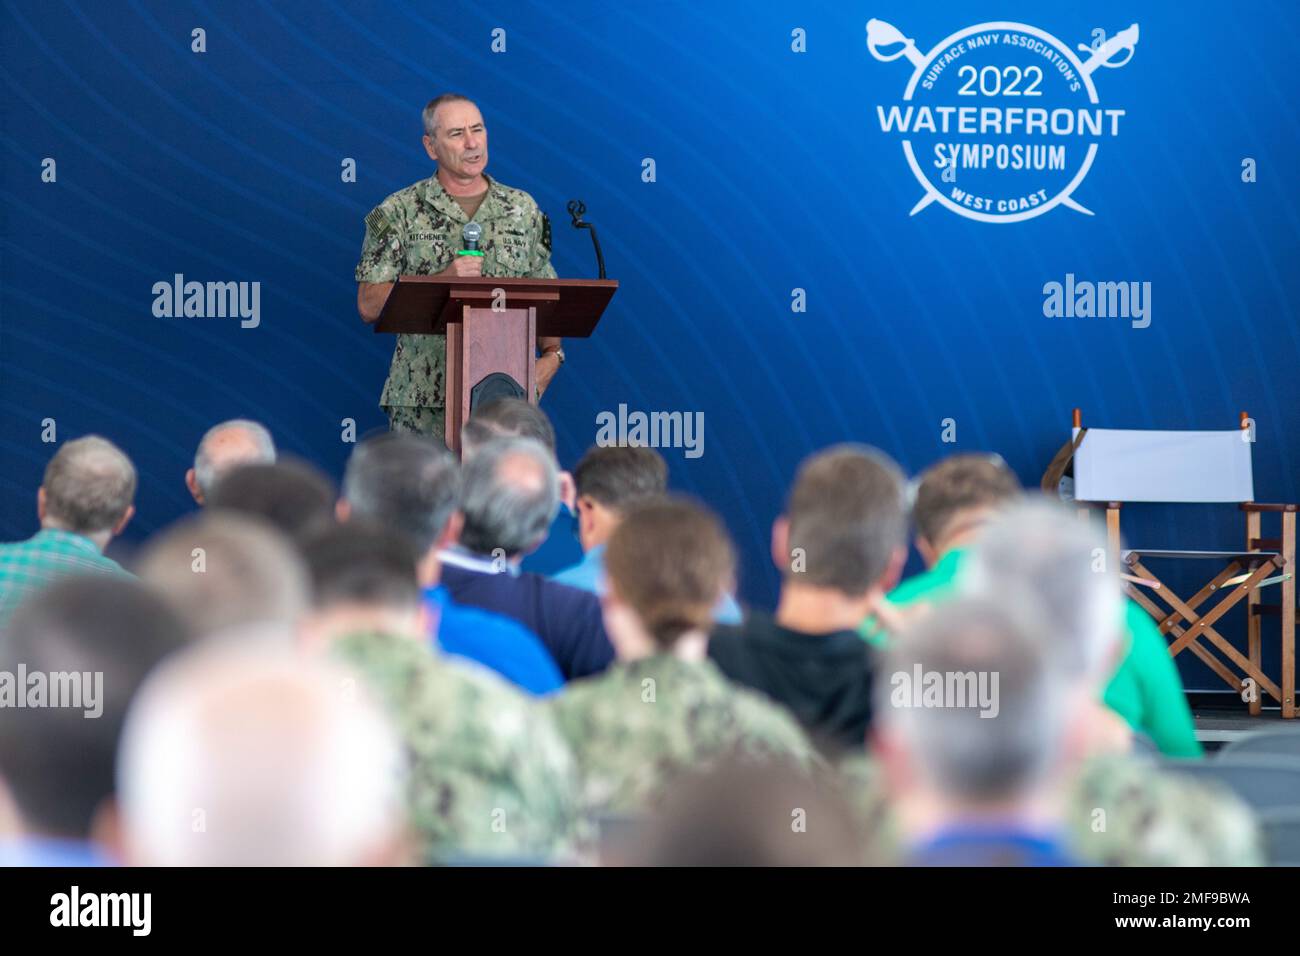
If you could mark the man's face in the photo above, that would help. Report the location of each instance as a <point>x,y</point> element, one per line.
<point>459,143</point>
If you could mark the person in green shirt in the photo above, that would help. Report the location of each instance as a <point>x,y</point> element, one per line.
<point>85,500</point>
<point>955,499</point>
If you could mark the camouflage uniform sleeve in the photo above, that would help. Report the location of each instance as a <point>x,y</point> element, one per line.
<point>774,732</point>
<point>1128,812</point>
<point>540,265</point>
<point>381,251</point>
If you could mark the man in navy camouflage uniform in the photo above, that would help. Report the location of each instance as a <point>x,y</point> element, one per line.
<point>417,231</point>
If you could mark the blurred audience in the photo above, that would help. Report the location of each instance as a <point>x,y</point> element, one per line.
<point>378,676</point>
<point>1120,809</point>
<point>490,778</point>
<point>509,493</point>
<point>223,571</point>
<point>226,446</point>
<point>664,707</point>
<point>84,645</point>
<point>971,734</point>
<point>747,814</point>
<point>291,495</point>
<point>955,499</point>
<point>85,500</point>
<point>608,482</point>
<point>839,546</point>
<point>241,753</point>
<point>412,486</point>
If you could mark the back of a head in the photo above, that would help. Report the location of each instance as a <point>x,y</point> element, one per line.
<point>291,495</point>
<point>89,484</point>
<point>1042,548</point>
<point>229,445</point>
<point>959,485</point>
<point>847,515</point>
<point>670,561</point>
<point>92,640</point>
<point>620,476</point>
<point>506,418</point>
<point>407,483</point>
<point>222,571</point>
<point>745,813</point>
<point>242,754</point>
<point>362,563</point>
<point>510,493</point>
<point>972,693</point>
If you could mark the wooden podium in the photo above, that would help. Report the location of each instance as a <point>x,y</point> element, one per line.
<point>491,325</point>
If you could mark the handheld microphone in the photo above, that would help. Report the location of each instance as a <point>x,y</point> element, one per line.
<point>471,234</point>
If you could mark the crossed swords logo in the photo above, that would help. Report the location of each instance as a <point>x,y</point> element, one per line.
<point>882,35</point>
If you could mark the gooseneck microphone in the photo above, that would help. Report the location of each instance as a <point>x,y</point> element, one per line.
<point>576,208</point>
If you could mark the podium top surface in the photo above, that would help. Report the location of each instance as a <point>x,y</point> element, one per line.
<point>423,305</point>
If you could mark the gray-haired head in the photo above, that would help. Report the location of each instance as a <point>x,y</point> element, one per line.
<point>505,418</point>
<point>510,495</point>
<point>226,571</point>
<point>88,486</point>
<point>975,700</point>
<point>228,445</point>
<point>430,114</point>
<point>286,758</point>
<point>407,483</point>
<point>1044,549</point>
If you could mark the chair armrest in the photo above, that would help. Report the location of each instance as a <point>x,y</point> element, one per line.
<point>1258,506</point>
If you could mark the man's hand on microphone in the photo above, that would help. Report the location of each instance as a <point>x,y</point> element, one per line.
<point>464,266</point>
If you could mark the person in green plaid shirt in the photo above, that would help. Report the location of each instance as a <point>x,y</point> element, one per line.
<point>85,500</point>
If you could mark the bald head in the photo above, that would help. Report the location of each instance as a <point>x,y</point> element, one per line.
<point>511,492</point>
<point>223,571</point>
<point>236,754</point>
<point>224,448</point>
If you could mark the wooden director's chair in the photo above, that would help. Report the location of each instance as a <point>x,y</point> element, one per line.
<point>1113,466</point>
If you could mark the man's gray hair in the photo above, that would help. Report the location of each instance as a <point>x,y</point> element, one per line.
<point>510,496</point>
<point>222,571</point>
<point>208,467</point>
<point>431,108</point>
<point>1044,549</point>
<point>975,750</point>
<point>407,483</point>
<point>89,484</point>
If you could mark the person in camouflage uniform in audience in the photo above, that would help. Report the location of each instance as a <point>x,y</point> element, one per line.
<point>489,776</point>
<point>663,707</point>
<point>417,231</point>
<point>1121,810</point>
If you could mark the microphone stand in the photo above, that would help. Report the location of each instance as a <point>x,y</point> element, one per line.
<point>576,208</point>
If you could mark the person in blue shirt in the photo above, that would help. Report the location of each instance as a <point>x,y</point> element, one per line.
<point>412,485</point>
<point>972,719</point>
<point>96,638</point>
<point>608,482</point>
<point>514,418</point>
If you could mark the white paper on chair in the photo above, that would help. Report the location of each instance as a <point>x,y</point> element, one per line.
<point>1114,464</point>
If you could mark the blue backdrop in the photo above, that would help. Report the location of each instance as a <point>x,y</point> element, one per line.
<point>771,174</point>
